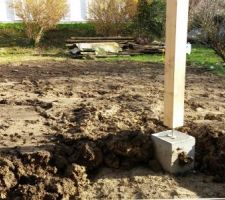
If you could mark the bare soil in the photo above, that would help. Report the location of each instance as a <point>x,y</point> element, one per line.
<point>81,130</point>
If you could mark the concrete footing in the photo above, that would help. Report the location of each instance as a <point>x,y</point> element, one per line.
<point>175,151</point>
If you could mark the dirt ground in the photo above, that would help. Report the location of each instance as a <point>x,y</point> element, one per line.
<point>81,130</point>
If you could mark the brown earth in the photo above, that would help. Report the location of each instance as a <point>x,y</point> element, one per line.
<point>81,129</point>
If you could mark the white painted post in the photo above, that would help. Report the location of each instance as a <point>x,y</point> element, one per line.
<point>175,62</point>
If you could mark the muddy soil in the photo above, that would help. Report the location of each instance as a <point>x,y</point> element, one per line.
<point>81,129</point>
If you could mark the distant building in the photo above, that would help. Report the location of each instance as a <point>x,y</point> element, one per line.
<point>78,11</point>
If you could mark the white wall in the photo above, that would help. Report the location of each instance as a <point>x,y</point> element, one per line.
<point>3,10</point>
<point>78,10</point>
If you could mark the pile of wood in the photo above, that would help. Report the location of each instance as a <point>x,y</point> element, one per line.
<point>111,47</point>
<point>74,40</point>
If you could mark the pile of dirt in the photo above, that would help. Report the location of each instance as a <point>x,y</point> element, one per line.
<point>32,176</point>
<point>123,150</point>
<point>210,148</point>
<point>62,172</point>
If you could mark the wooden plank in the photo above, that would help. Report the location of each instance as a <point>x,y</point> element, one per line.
<point>175,62</point>
<point>69,41</point>
<point>102,38</point>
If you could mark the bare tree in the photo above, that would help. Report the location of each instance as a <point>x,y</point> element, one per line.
<point>110,16</point>
<point>209,17</point>
<point>39,16</point>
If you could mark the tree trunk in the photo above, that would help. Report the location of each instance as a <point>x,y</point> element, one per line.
<point>219,51</point>
<point>38,37</point>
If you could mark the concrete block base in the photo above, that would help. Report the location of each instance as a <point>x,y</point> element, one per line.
<point>175,151</point>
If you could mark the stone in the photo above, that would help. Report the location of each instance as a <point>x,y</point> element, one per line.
<point>100,48</point>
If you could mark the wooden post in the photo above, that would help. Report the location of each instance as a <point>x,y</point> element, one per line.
<point>175,62</point>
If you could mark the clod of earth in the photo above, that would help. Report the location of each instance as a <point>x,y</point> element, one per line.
<point>184,159</point>
<point>210,148</point>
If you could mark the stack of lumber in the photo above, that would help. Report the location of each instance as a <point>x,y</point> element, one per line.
<point>74,40</point>
<point>110,47</point>
<point>144,49</point>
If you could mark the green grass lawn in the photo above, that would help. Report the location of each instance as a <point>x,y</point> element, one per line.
<point>201,56</point>
<point>14,47</point>
<point>205,57</point>
<point>20,54</point>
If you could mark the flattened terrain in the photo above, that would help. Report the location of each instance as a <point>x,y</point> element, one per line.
<point>101,114</point>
